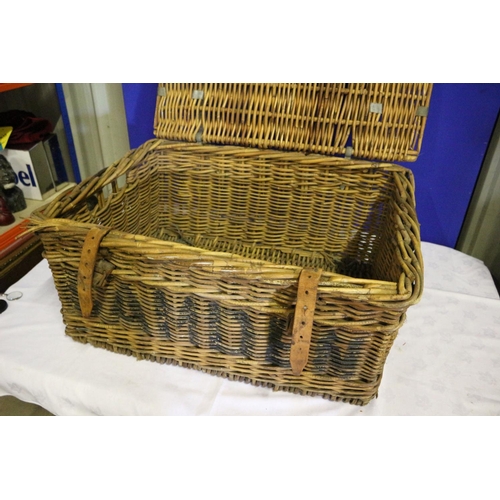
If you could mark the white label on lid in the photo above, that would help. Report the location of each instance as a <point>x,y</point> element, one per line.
<point>376,107</point>
<point>423,111</point>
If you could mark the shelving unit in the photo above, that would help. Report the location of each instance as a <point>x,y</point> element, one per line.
<point>18,253</point>
<point>34,205</point>
<point>21,253</point>
<point>4,87</point>
<point>47,101</point>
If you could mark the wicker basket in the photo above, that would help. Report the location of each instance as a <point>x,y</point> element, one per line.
<point>276,264</point>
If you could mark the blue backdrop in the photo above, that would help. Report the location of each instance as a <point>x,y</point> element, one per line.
<point>460,123</point>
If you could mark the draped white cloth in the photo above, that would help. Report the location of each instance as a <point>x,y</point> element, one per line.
<point>445,360</point>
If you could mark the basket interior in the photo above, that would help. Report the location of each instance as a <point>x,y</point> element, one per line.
<point>293,209</point>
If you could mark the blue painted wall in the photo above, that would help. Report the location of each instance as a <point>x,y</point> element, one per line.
<point>459,126</point>
<point>460,123</point>
<point>140,103</point>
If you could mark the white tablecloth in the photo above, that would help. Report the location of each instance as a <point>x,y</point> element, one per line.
<point>445,360</point>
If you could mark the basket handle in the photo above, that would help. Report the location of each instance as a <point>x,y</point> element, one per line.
<point>303,318</point>
<point>69,200</point>
<point>86,267</point>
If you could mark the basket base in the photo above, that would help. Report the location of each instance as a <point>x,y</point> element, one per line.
<point>239,369</point>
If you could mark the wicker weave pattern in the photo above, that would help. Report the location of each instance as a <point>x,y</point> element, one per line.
<point>379,121</point>
<point>207,247</point>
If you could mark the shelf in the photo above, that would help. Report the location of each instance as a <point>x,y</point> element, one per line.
<point>33,205</point>
<point>4,87</point>
<point>19,252</point>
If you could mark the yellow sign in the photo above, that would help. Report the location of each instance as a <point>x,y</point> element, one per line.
<point>4,136</point>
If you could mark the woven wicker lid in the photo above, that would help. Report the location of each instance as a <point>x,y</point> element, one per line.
<point>377,121</point>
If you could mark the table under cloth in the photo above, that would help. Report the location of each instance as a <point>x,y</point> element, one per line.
<point>445,360</point>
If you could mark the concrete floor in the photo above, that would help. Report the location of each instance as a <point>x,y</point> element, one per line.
<point>10,406</point>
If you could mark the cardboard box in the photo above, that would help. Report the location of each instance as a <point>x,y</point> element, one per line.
<point>39,170</point>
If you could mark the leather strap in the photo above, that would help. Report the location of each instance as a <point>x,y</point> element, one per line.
<point>303,318</point>
<point>86,269</point>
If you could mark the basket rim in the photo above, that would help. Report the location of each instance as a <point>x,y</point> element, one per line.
<point>339,285</point>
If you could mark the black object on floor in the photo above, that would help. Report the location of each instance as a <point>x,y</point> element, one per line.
<point>3,306</point>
